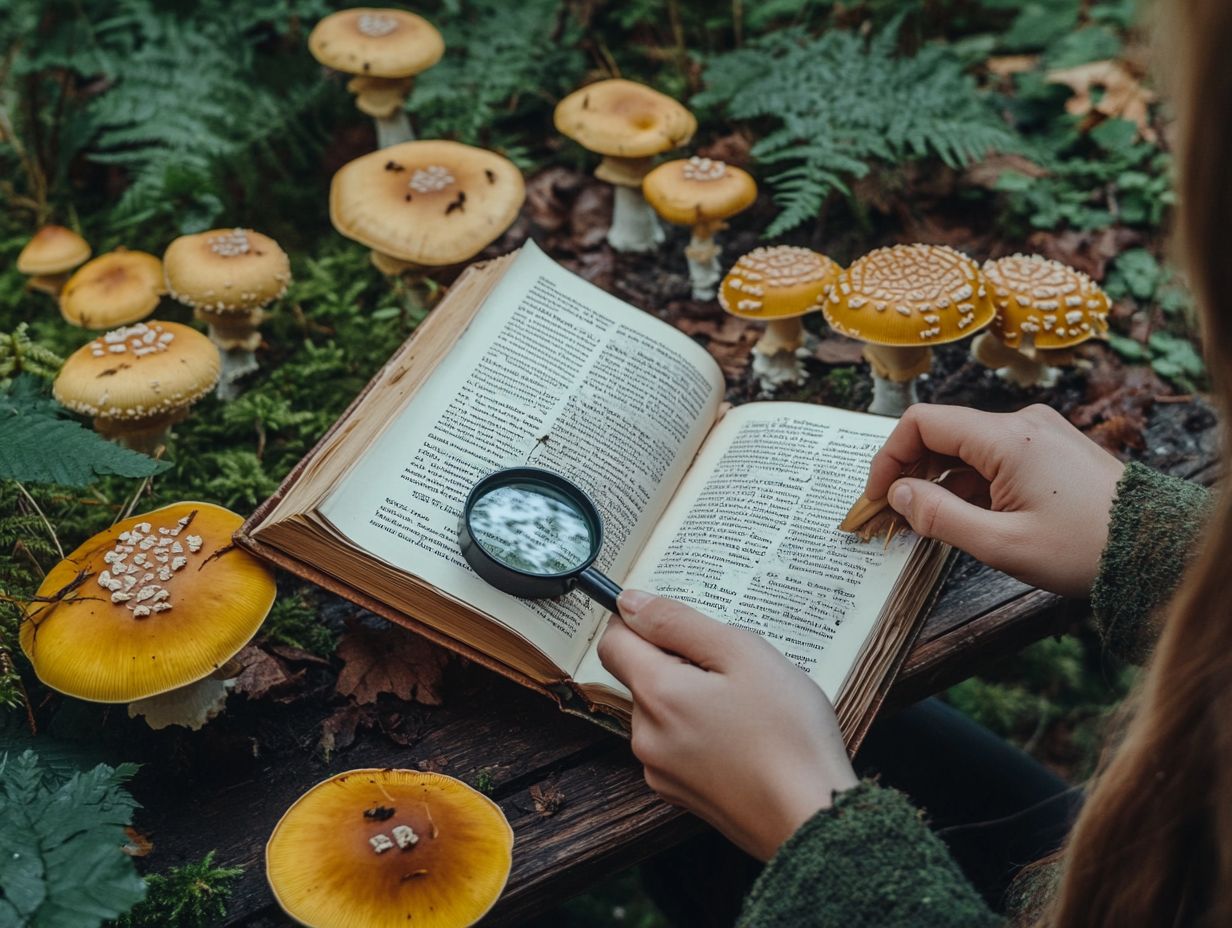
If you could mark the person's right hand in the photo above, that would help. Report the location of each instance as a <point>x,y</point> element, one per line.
<point>1048,487</point>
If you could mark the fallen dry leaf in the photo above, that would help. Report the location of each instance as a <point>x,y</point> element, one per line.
<point>1118,403</point>
<point>295,655</point>
<point>1122,97</point>
<point>1086,251</point>
<point>389,660</point>
<point>729,340</point>
<point>136,843</point>
<point>433,764</point>
<point>836,349</point>
<point>1007,65</point>
<point>548,798</point>
<point>262,674</point>
<point>339,729</point>
<point>988,172</point>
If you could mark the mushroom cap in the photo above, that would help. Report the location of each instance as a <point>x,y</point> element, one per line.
<point>1055,304</point>
<point>114,289</point>
<point>226,270</point>
<point>918,295</point>
<point>777,282</point>
<point>376,42</point>
<point>325,871</point>
<point>431,203</point>
<point>138,371</point>
<point>203,606</point>
<point>53,250</point>
<point>624,119</point>
<point>691,191</point>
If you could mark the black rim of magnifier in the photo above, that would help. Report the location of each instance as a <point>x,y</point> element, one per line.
<point>551,481</point>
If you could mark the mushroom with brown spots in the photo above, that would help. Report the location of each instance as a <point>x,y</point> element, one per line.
<point>900,301</point>
<point>50,256</point>
<point>1043,309</point>
<point>148,613</point>
<point>779,285</point>
<point>114,289</point>
<point>427,204</point>
<point>228,276</point>
<point>702,193</point>
<point>384,848</point>
<point>139,380</point>
<point>384,49</point>
<point>628,123</point>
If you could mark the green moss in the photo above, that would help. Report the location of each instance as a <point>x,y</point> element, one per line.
<point>191,896</point>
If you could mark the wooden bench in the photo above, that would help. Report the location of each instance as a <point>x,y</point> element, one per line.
<point>495,732</point>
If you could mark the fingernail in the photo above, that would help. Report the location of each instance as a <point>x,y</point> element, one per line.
<point>631,601</point>
<point>900,498</point>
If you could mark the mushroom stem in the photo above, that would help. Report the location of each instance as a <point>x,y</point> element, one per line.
<point>895,370</point>
<point>237,337</point>
<point>393,129</point>
<point>144,435</point>
<point>635,228</point>
<point>776,362</point>
<point>703,256</point>
<point>1013,365</point>
<point>191,706</point>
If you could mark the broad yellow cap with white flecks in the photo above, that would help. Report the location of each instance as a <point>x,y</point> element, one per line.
<point>226,270</point>
<point>694,191</point>
<point>1054,305</point>
<point>624,119</point>
<point>910,296</point>
<point>777,282</point>
<point>387,849</point>
<point>376,42</point>
<point>154,603</point>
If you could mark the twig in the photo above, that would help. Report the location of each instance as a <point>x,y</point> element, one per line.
<point>47,525</point>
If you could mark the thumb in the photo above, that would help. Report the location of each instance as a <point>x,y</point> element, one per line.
<point>673,626</point>
<point>935,512</point>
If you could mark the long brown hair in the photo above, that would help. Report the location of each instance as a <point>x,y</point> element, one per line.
<point>1153,844</point>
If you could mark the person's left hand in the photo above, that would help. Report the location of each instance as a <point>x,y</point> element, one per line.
<point>725,725</point>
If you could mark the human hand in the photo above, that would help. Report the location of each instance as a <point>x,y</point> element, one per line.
<point>1048,490</point>
<point>725,725</point>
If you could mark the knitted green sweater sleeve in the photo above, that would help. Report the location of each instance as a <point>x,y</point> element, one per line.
<point>869,860</point>
<point>1154,523</point>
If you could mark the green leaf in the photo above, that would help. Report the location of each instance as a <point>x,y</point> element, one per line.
<point>1128,348</point>
<point>38,445</point>
<point>1113,135</point>
<point>1040,23</point>
<point>1094,43</point>
<point>1135,273</point>
<point>61,858</point>
<point>1175,356</point>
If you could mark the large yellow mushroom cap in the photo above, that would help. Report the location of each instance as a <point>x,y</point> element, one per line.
<point>53,250</point>
<point>430,203</point>
<point>114,289</point>
<point>226,270</point>
<point>139,371</point>
<point>694,191</point>
<point>154,603</point>
<point>1052,303</point>
<point>777,282</point>
<point>386,848</point>
<point>624,119</point>
<point>910,295</point>
<point>376,42</point>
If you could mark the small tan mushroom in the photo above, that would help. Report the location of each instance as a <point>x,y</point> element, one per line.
<point>423,205</point>
<point>384,49</point>
<point>148,612</point>
<point>1044,308</point>
<point>139,380</point>
<point>114,289</point>
<point>50,256</point>
<point>628,123</point>
<point>701,193</point>
<point>387,849</point>
<point>228,276</point>
<point>779,285</point>
<point>900,301</point>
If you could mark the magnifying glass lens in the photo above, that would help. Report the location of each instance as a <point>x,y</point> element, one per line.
<point>531,528</point>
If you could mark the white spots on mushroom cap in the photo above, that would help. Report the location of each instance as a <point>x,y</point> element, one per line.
<point>704,169</point>
<point>430,179</point>
<point>140,339</point>
<point>376,25</point>
<point>146,594</point>
<point>230,244</point>
<point>781,266</point>
<point>1036,283</point>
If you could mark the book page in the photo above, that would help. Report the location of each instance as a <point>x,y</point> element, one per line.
<point>553,372</point>
<point>752,537</point>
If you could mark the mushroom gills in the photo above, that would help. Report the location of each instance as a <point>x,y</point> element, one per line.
<point>191,706</point>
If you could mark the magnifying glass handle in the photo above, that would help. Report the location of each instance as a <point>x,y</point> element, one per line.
<point>599,588</point>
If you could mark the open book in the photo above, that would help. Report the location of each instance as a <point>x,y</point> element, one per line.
<point>735,513</point>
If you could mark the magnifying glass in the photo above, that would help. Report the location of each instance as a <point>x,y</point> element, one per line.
<point>532,533</point>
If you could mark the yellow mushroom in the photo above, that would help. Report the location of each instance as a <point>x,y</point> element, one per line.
<point>147,613</point>
<point>50,256</point>
<point>701,193</point>
<point>114,289</point>
<point>139,380</point>
<point>228,276</point>
<point>386,848</point>
<point>384,49</point>
<point>628,123</point>
<point>778,285</point>
<point>1044,308</point>
<point>900,301</point>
